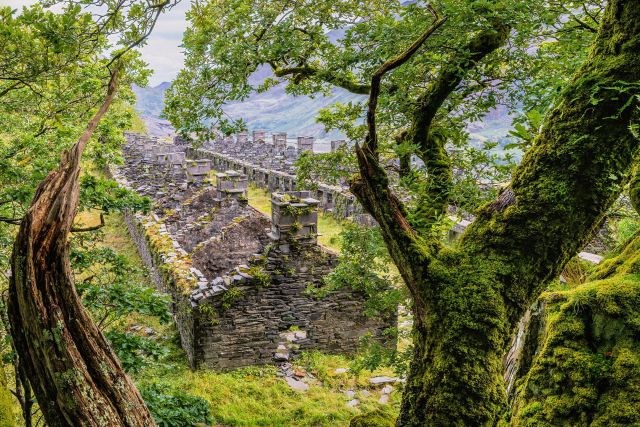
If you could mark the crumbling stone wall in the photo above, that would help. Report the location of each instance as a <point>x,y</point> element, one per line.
<point>249,329</point>
<point>165,279</point>
<point>272,167</point>
<point>233,246</point>
<point>240,283</point>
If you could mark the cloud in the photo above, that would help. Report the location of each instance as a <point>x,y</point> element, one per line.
<point>162,52</point>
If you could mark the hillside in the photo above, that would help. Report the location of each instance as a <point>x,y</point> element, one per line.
<point>275,110</point>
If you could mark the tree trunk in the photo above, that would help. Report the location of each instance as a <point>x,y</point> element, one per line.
<point>76,377</point>
<point>471,297</point>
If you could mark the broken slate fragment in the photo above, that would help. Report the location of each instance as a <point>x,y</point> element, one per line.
<point>382,380</point>
<point>280,357</point>
<point>296,385</point>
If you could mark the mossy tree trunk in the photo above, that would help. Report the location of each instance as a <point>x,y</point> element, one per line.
<point>75,376</point>
<point>468,299</point>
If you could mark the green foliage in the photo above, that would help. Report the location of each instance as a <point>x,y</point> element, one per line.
<point>260,275</point>
<point>54,67</point>
<point>295,211</point>
<point>134,351</point>
<point>107,196</point>
<point>373,355</point>
<point>327,168</point>
<point>109,289</point>
<point>174,408</point>
<point>112,288</point>
<point>230,297</point>
<point>118,300</point>
<point>364,265</point>
<point>210,313</point>
<point>547,44</point>
<point>525,134</point>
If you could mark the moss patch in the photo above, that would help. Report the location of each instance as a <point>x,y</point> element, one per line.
<point>588,368</point>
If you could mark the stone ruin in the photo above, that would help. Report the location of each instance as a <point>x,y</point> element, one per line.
<point>305,143</point>
<point>242,284</point>
<point>270,165</point>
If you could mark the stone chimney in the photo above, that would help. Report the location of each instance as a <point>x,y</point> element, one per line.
<point>305,143</point>
<point>280,141</point>
<point>294,218</point>
<point>176,157</point>
<point>197,170</point>
<point>259,136</point>
<point>232,185</point>
<point>242,138</point>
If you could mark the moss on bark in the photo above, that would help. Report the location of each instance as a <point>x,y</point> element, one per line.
<point>588,369</point>
<point>474,294</point>
<point>434,199</point>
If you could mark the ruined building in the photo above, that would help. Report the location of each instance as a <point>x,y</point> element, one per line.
<point>242,283</point>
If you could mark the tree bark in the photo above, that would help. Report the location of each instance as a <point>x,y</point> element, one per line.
<point>468,299</point>
<point>434,200</point>
<point>76,377</point>
<point>561,191</point>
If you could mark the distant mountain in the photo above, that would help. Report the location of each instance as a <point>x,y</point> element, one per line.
<point>273,111</point>
<point>277,111</point>
<point>150,100</point>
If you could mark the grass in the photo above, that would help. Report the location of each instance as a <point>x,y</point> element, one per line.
<point>256,396</point>
<point>138,125</point>
<point>329,227</point>
<point>260,199</point>
<point>115,233</point>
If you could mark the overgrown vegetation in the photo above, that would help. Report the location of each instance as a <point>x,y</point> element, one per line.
<point>587,371</point>
<point>569,72</point>
<point>173,408</point>
<point>424,77</point>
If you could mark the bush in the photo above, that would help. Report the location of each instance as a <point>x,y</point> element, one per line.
<point>174,408</point>
<point>135,352</point>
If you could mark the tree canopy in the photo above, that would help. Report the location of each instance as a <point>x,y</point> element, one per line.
<point>234,48</point>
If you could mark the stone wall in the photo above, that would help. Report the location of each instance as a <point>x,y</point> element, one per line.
<point>173,280</point>
<point>337,200</point>
<point>241,284</point>
<point>252,328</point>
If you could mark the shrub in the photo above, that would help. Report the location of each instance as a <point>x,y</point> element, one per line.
<point>135,352</point>
<point>174,408</point>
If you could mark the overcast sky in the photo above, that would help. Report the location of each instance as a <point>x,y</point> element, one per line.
<point>163,52</point>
